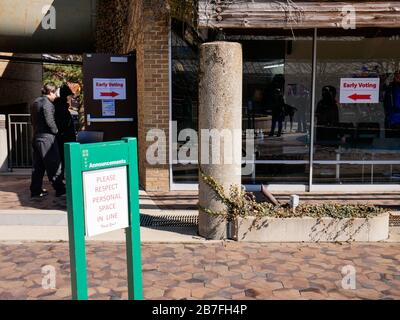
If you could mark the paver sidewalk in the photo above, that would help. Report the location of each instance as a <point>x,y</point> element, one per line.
<point>209,271</point>
<point>14,195</point>
<point>23,219</point>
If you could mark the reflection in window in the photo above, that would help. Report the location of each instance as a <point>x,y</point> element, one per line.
<point>355,142</point>
<point>184,94</point>
<point>349,128</point>
<point>276,104</point>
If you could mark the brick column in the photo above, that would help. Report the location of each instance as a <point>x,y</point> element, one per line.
<point>143,26</point>
<point>153,96</point>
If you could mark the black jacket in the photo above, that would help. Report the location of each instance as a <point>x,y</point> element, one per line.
<point>43,117</point>
<point>64,120</point>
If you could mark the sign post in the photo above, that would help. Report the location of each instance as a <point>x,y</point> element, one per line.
<point>102,196</point>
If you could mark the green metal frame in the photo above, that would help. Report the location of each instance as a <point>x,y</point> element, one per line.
<point>96,156</point>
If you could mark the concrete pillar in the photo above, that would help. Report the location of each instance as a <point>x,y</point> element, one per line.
<point>3,144</point>
<point>220,108</point>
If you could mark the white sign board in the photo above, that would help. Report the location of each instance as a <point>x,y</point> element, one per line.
<point>105,200</point>
<point>108,108</point>
<point>119,59</point>
<point>359,90</point>
<point>109,89</point>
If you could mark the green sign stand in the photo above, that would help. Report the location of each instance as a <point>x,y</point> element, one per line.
<point>88,157</point>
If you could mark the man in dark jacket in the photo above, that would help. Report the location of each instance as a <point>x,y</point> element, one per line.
<point>46,155</point>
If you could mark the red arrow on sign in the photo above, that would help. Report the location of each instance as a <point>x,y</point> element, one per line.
<point>356,96</point>
<point>109,94</point>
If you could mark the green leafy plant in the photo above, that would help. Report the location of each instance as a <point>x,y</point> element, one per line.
<point>239,203</point>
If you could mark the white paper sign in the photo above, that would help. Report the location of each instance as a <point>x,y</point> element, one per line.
<point>119,59</point>
<point>109,89</point>
<point>105,200</point>
<point>108,108</point>
<point>359,90</point>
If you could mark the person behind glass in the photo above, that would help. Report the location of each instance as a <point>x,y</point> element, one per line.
<point>302,109</point>
<point>327,115</point>
<point>46,157</point>
<point>254,106</point>
<point>65,124</point>
<point>278,111</point>
<point>392,107</point>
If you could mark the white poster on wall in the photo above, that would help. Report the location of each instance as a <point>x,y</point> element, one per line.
<point>109,89</point>
<point>108,108</point>
<point>105,200</point>
<point>359,90</point>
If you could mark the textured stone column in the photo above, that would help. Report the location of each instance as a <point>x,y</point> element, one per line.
<point>220,109</point>
<point>3,144</point>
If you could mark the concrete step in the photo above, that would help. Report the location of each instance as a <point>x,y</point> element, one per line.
<point>33,218</point>
<point>24,233</point>
<point>52,225</point>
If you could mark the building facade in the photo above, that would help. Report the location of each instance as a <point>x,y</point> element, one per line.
<point>321,87</point>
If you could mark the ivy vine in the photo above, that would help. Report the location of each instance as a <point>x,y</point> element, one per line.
<point>240,203</point>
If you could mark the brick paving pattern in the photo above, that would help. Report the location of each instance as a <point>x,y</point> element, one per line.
<point>15,195</point>
<point>209,271</point>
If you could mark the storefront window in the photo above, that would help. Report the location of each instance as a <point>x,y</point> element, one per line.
<point>184,97</point>
<point>357,118</point>
<point>357,107</point>
<point>276,104</point>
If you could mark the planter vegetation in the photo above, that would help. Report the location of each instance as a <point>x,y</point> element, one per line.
<point>250,220</point>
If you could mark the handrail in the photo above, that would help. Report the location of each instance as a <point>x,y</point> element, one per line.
<point>18,141</point>
<point>104,120</point>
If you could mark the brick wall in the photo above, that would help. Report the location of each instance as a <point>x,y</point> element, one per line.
<point>146,31</point>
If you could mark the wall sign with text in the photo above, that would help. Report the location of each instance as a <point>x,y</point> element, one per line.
<point>359,90</point>
<point>106,200</point>
<point>110,89</point>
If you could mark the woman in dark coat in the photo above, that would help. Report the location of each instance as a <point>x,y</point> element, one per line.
<point>64,121</point>
<point>327,115</point>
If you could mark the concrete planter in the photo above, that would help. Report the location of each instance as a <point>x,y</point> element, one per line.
<point>309,229</point>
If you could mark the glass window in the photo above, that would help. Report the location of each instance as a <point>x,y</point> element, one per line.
<point>357,118</point>
<point>357,107</point>
<point>276,104</point>
<point>184,96</point>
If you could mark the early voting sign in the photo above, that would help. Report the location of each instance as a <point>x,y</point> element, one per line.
<point>109,89</point>
<point>359,90</point>
<point>103,196</point>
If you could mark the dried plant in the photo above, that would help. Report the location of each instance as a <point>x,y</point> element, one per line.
<point>239,203</point>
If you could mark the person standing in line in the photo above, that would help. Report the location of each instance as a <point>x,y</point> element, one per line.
<point>46,156</point>
<point>254,106</point>
<point>64,122</point>
<point>278,112</point>
<point>392,107</point>
<point>327,115</point>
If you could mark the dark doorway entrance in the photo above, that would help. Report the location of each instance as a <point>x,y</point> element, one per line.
<point>110,95</point>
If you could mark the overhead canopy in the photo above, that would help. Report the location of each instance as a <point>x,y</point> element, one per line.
<point>262,14</point>
<point>21,27</point>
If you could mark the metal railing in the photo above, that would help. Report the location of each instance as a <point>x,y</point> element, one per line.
<point>19,141</point>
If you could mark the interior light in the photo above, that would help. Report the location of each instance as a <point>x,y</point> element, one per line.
<point>274,66</point>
